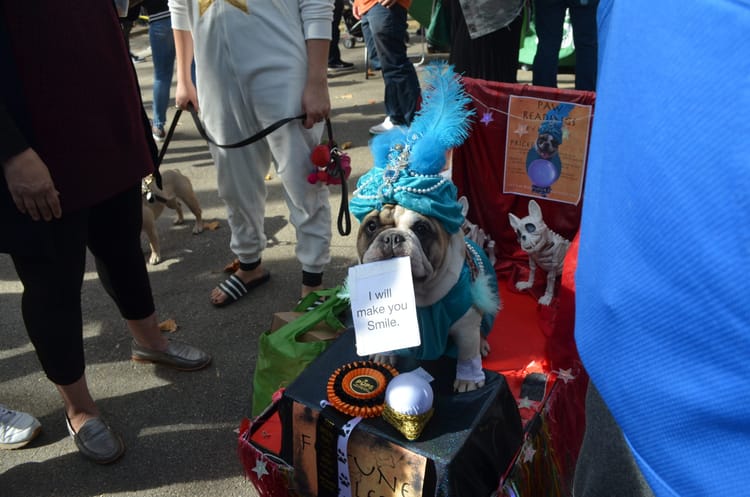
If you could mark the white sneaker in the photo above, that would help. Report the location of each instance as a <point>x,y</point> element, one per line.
<point>384,127</point>
<point>17,428</point>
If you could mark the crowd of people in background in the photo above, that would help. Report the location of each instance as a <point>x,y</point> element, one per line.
<point>52,231</point>
<point>662,334</point>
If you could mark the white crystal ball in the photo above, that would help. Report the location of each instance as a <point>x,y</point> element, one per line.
<point>409,393</point>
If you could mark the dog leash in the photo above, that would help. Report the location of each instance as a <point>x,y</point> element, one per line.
<point>343,222</point>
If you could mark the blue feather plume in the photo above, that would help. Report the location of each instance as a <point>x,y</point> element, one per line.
<point>442,122</point>
<point>559,112</point>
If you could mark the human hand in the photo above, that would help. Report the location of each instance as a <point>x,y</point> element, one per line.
<point>355,11</point>
<point>31,186</point>
<point>186,94</point>
<point>316,103</point>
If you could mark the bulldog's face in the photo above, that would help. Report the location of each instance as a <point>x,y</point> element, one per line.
<point>546,145</point>
<point>396,231</point>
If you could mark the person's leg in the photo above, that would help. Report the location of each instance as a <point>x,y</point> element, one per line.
<point>114,239</point>
<point>549,16</point>
<point>79,405</point>
<point>372,52</point>
<point>334,53</point>
<point>163,55</point>
<point>309,206</point>
<point>606,465</point>
<point>388,27</point>
<point>120,263</point>
<point>51,309</point>
<point>585,38</point>
<point>241,184</point>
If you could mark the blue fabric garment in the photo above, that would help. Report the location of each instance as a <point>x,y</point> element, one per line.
<point>662,301</point>
<point>163,53</point>
<point>435,321</point>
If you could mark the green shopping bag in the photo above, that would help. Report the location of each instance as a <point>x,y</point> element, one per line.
<point>281,357</point>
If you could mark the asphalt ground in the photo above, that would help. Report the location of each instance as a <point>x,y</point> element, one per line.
<point>180,428</point>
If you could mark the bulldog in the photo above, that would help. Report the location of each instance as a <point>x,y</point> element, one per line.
<point>408,206</point>
<point>176,188</point>
<point>440,264</point>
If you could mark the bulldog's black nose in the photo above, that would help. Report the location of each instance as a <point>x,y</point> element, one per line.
<point>394,239</point>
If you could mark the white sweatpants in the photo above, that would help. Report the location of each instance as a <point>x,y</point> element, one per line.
<point>242,186</point>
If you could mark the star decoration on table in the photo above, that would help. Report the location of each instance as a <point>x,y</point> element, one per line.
<point>486,118</point>
<point>203,5</point>
<point>528,453</point>
<point>522,129</point>
<point>260,468</point>
<point>565,375</point>
<point>526,403</point>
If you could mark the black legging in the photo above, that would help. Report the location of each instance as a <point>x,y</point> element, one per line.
<point>51,302</point>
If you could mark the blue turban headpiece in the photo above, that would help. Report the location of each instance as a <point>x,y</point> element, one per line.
<point>407,164</point>
<point>553,121</point>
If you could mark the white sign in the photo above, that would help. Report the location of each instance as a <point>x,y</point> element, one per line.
<point>383,308</point>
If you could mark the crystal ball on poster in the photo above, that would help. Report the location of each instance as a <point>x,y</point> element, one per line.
<point>542,172</point>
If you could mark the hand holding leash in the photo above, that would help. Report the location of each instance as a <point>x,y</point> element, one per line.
<point>338,169</point>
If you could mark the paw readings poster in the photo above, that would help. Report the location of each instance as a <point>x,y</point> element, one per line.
<point>545,149</point>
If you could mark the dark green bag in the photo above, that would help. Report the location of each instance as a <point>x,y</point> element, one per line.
<point>281,357</point>
<point>438,32</point>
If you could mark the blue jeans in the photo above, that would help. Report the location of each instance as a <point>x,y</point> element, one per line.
<point>386,27</point>
<point>163,54</point>
<point>549,16</point>
<point>372,53</point>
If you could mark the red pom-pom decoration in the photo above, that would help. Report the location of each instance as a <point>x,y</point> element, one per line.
<point>321,155</point>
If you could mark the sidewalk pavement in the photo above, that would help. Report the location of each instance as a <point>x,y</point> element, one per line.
<point>180,429</point>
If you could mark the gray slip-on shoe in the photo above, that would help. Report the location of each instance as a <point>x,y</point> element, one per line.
<point>96,440</point>
<point>178,355</point>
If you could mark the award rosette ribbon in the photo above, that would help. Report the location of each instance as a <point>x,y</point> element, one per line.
<point>358,388</point>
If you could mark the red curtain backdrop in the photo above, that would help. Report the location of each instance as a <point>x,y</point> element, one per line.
<point>527,337</point>
<point>478,167</point>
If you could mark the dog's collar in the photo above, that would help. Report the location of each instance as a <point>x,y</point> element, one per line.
<point>147,193</point>
<point>474,260</point>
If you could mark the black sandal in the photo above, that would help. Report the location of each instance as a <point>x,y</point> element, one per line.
<point>234,288</point>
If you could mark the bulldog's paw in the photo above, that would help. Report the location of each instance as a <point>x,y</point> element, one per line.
<point>523,285</point>
<point>198,227</point>
<point>154,259</point>
<point>469,375</point>
<point>466,385</point>
<point>382,358</point>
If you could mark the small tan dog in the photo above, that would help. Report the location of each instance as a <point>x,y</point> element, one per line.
<point>176,187</point>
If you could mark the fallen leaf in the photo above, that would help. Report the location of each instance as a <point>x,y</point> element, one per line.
<point>169,325</point>
<point>371,102</point>
<point>269,177</point>
<point>345,145</point>
<point>211,225</point>
<point>232,266</point>
<point>348,96</point>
